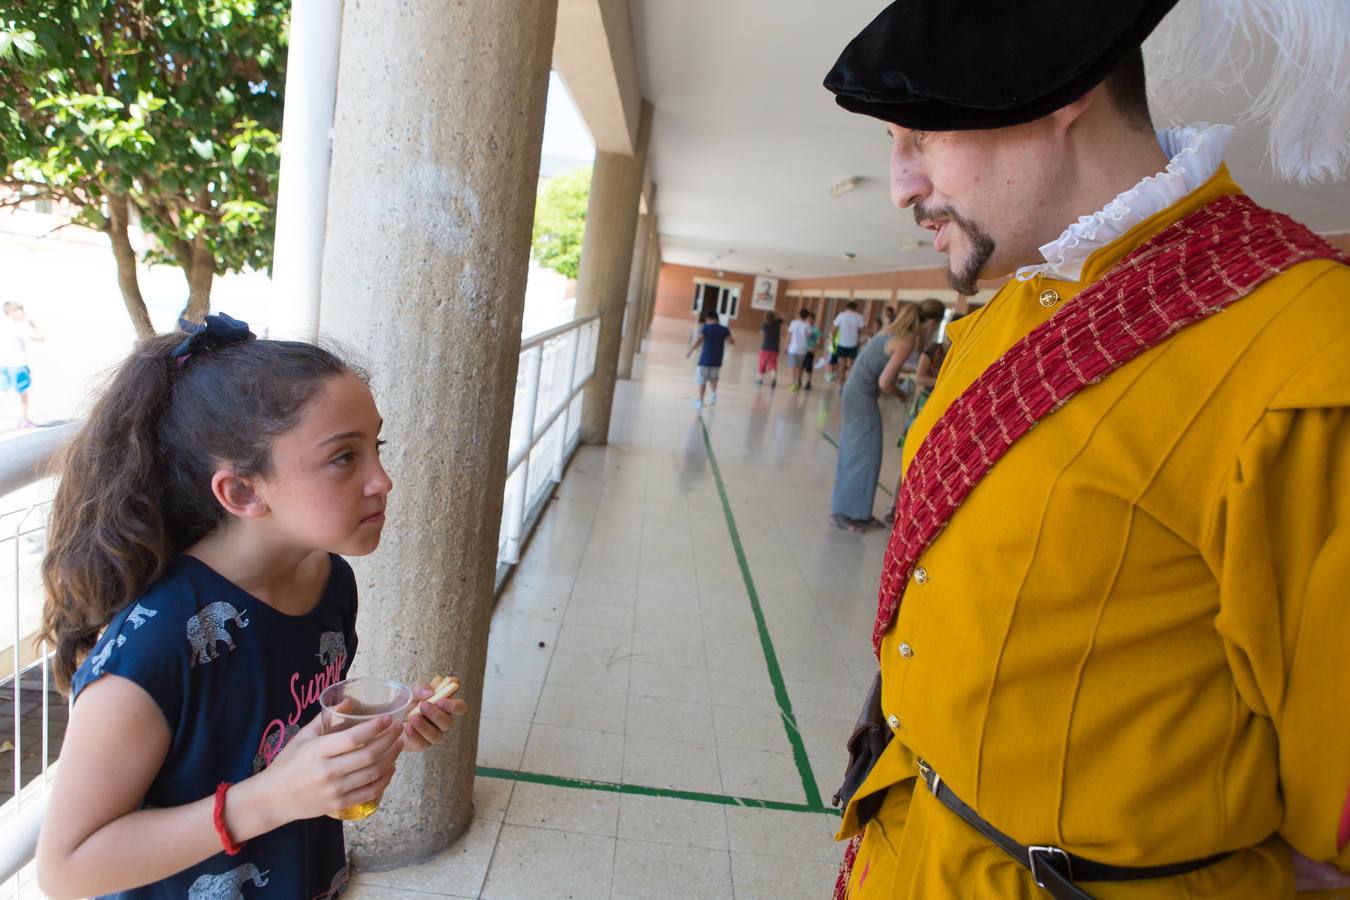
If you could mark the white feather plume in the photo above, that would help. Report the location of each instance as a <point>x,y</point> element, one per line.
<point>1290,57</point>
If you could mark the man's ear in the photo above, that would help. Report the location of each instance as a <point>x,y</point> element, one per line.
<point>237,495</point>
<point>1064,117</point>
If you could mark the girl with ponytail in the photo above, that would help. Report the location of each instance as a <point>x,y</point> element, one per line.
<point>198,604</point>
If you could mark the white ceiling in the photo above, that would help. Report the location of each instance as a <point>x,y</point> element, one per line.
<point>746,144</point>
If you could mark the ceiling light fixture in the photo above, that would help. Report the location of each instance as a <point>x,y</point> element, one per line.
<point>845,186</point>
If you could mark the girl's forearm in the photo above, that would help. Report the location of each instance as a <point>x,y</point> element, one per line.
<point>148,845</point>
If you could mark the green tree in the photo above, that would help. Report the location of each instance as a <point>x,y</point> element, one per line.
<point>169,110</point>
<point>560,221</point>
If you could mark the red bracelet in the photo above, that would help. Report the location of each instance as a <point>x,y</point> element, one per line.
<point>218,816</point>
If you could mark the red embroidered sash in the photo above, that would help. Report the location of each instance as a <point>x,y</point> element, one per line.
<point>1185,273</point>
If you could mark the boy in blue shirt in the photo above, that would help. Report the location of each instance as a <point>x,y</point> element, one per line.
<point>714,337</point>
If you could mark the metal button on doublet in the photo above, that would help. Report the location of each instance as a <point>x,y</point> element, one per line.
<point>906,650</point>
<point>921,575</point>
<point>894,722</point>
<point>1049,297</point>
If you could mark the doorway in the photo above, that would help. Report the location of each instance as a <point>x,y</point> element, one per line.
<point>719,297</point>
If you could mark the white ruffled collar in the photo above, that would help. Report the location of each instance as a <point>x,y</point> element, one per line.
<point>1195,152</point>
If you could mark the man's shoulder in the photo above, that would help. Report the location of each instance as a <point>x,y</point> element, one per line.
<point>1315,295</point>
<point>1284,345</point>
<point>1318,289</point>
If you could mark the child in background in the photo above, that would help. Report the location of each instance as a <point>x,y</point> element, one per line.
<point>197,606</point>
<point>798,333</point>
<point>16,332</point>
<point>713,337</point>
<point>812,342</point>
<point>772,330</point>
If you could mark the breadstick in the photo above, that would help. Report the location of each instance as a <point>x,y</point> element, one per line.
<point>447,688</point>
<point>443,685</point>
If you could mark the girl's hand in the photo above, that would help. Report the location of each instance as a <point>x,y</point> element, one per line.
<point>429,722</point>
<point>1317,876</point>
<point>316,774</point>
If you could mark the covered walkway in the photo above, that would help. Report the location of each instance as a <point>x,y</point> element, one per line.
<point>676,663</point>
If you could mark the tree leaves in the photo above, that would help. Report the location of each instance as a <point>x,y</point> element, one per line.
<point>175,103</point>
<point>560,222</point>
<point>13,43</point>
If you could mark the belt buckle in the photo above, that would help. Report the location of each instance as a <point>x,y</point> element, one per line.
<point>931,779</point>
<point>1042,856</point>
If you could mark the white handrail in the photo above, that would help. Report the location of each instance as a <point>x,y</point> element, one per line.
<point>26,457</point>
<point>19,838</point>
<point>541,336</point>
<point>525,419</point>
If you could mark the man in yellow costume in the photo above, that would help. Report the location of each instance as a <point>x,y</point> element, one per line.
<point>1114,618</point>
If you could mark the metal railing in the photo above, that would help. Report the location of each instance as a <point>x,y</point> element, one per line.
<point>555,366</point>
<point>25,501</point>
<point>545,424</point>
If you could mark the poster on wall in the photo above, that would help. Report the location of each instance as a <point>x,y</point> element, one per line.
<point>766,293</point>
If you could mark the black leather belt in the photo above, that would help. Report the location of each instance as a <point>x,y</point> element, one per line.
<point>1053,869</point>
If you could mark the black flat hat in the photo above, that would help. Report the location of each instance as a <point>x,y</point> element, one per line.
<point>955,65</point>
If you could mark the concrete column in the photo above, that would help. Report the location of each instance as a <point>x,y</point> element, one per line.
<point>644,290</point>
<point>606,258</point>
<point>644,293</point>
<point>440,115</point>
<point>655,255</point>
<point>637,276</point>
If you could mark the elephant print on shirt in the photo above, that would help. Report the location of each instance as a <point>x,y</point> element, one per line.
<point>100,659</point>
<point>139,614</point>
<point>208,627</point>
<point>336,888</point>
<point>227,885</point>
<point>273,742</point>
<point>332,648</point>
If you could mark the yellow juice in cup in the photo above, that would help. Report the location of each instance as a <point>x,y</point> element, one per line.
<point>357,812</point>
<point>356,700</point>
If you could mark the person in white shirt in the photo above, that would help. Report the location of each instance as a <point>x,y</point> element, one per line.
<point>16,330</point>
<point>799,339</point>
<point>848,326</point>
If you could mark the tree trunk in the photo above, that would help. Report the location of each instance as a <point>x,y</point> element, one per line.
<point>125,255</point>
<point>200,267</point>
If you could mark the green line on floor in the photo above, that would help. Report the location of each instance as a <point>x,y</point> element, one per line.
<point>826,436</point>
<point>643,791</point>
<point>770,657</point>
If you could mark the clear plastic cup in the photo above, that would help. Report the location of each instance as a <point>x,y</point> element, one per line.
<point>370,698</point>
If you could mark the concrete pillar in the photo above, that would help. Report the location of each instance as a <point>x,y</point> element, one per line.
<point>439,120</point>
<point>637,277</point>
<point>654,289</point>
<point>606,258</point>
<point>648,286</point>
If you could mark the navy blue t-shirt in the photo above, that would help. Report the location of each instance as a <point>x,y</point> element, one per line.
<point>235,680</point>
<point>714,342</point>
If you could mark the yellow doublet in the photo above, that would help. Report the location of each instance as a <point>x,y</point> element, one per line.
<point>1131,641</point>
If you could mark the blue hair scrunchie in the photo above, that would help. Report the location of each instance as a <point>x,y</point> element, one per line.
<point>215,331</point>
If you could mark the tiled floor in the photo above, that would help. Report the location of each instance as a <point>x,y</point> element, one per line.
<point>652,672</point>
